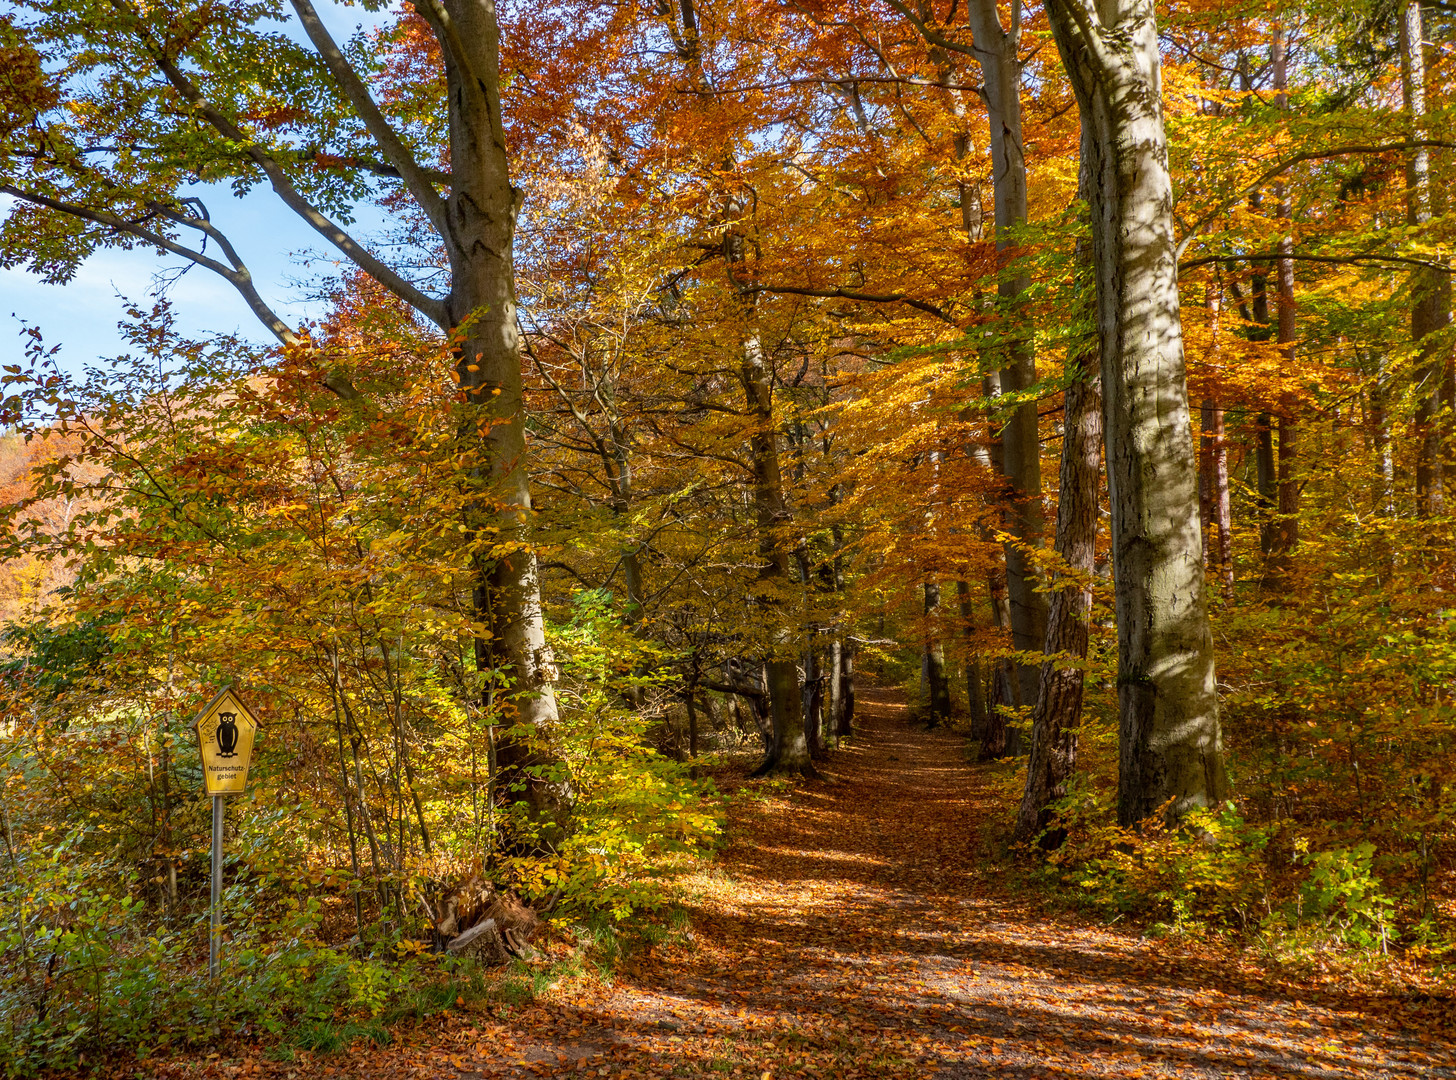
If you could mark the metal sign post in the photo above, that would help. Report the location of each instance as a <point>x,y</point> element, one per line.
<point>225,733</point>
<point>214,936</point>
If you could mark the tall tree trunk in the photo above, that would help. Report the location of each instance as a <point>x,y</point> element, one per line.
<point>1213,497</point>
<point>1170,746</point>
<point>1221,549</point>
<point>1430,287</point>
<point>1286,533</point>
<point>932,664</point>
<point>846,692</point>
<point>997,741</point>
<point>1266,490</point>
<point>1223,517</point>
<point>812,695</point>
<point>481,213</point>
<point>836,693</point>
<point>790,752</point>
<point>996,50</point>
<point>1205,477</point>
<point>832,575</point>
<point>1266,479</point>
<point>1058,711</point>
<point>975,670</point>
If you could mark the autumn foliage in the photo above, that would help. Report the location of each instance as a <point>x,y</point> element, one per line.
<point>797,387</point>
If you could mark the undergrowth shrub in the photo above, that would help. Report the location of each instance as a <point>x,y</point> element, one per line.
<point>96,951</point>
<point>1209,870</point>
<point>87,967</point>
<point>639,814</point>
<point>1344,894</point>
<point>1216,871</point>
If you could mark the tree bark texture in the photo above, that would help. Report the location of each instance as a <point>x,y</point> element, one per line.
<point>812,697</point>
<point>996,50</point>
<point>997,741</point>
<point>975,669</point>
<point>1223,552</point>
<point>1430,287</point>
<point>935,688</point>
<point>1170,746</point>
<point>836,693</point>
<point>479,219</point>
<point>1213,464</point>
<point>790,750</point>
<point>1058,711</point>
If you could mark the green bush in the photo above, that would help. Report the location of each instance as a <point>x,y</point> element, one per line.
<point>1343,893</point>
<point>1210,870</point>
<point>83,964</point>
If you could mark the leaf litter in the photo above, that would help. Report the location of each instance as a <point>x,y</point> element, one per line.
<point>856,927</point>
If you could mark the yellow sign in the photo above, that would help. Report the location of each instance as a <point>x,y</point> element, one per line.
<point>225,731</point>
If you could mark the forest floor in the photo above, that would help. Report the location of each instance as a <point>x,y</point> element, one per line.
<point>855,926</point>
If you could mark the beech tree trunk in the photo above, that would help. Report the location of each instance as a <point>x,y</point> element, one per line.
<point>479,218</point>
<point>1430,287</point>
<point>812,700</point>
<point>1286,531</point>
<point>1222,516</point>
<point>836,693</point>
<point>832,574</point>
<point>790,749</point>
<point>846,691</point>
<point>1170,746</point>
<point>975,670</point>
<point>996,50</point>
<point>998,741</point>
<point>1058,711</point>
<point>1213,463</point>
<point>935,688</point>
<point>1266,491</point>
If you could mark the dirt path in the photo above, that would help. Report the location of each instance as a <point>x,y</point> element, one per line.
<point>848,935</point>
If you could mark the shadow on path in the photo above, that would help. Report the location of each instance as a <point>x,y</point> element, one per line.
<point>851,933</point>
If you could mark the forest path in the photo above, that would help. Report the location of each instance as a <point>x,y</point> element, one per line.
<point>853,928</point>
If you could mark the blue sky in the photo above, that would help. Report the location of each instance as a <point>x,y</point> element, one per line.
<point>82,315</point>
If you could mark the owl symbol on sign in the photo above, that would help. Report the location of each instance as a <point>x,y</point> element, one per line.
<point>227,734</point>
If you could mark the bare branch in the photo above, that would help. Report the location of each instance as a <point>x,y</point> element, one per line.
<point>237,275</point>
<point>1339,260</point>
<point>868,298</point>
<point>934,37</point>
<point>420,184</point>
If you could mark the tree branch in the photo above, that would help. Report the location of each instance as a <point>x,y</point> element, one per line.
<point>237,275</point>
<point>934,37</point>
<point>1345,260</point>
<point>1295,159</point>
<point>290,195</point>
<point>868,298</point>
<point>415,178</point>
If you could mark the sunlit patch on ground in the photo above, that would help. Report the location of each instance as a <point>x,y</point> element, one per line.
<point>852,929</point>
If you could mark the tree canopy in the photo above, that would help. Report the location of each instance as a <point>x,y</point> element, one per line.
<point>1082,371</point>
